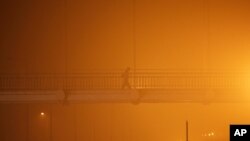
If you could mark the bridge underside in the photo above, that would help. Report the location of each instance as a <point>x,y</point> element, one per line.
<point>126,96</point>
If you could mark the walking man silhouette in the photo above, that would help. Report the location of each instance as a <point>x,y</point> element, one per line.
<point>125,76</point>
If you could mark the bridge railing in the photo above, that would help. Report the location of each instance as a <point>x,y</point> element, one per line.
<point>137,80</point>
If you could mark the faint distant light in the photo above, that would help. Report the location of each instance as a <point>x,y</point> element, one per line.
<point>210,134</point>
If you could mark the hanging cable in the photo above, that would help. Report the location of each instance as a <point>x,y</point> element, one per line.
<point>66,91</point>
<point>207,34</point>
<point>134,39</point>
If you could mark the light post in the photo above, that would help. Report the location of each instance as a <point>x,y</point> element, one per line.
<point>187,131</point>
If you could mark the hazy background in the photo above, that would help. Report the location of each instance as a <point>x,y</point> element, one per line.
<point>56,36</point>
<point>39,36</point>
<point>119,122</point>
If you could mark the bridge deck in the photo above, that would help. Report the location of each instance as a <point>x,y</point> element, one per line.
<point>145,87</point>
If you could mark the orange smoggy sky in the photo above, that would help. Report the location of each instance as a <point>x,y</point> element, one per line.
<point>72,36</point>
<point>54,36</point>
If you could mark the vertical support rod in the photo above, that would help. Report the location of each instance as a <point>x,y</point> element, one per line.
<point>28,122</point>
<point>50,123</point>
<point>187,131</point>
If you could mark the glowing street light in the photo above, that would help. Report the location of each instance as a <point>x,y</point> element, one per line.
<point>42,114</point>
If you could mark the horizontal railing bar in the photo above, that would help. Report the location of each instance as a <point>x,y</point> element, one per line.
<point>115,80</point>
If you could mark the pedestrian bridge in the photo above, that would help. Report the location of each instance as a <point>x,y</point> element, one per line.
<point>146,86</point>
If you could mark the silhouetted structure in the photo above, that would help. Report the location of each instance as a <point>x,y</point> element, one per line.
<point>65,98</point>
<point>125,76</point>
